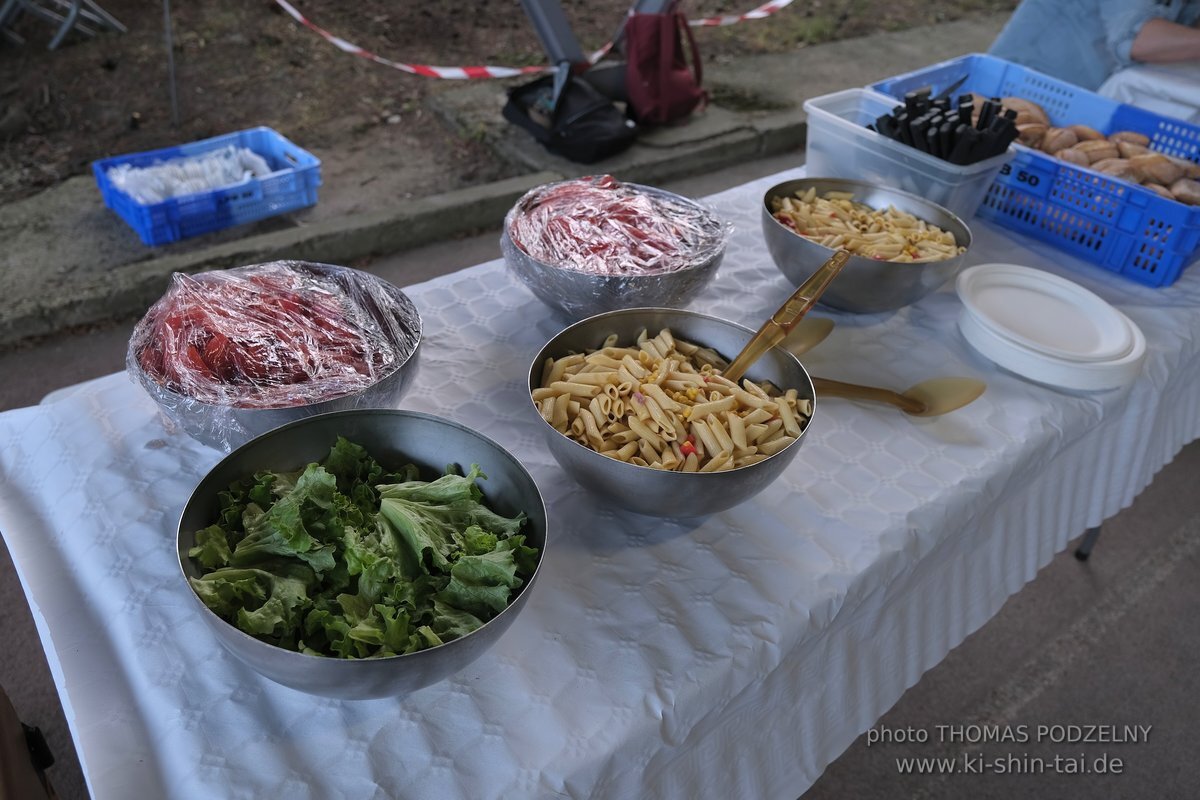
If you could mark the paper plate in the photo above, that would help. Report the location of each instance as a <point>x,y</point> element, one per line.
<point>1045,313</point>
<point>1084,376</point>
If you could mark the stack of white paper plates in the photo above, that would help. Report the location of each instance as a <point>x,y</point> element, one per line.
<point>1048,329</point>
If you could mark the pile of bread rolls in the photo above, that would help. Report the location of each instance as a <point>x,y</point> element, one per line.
<point>1124,155</point>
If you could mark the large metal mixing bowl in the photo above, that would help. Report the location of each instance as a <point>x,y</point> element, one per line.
<point>578,294</point>
<point>393,438</point>
<point>225,427</point>
<point>865,285</point>
<point>657,492</point>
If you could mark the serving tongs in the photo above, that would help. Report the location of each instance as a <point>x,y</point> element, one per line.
<point>929,398</point>
<point>781,323</point>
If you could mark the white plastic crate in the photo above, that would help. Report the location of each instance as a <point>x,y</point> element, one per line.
<point>841,146</point>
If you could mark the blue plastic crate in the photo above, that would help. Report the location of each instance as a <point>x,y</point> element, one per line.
<point>292,184</point>
<point>1116,225</point>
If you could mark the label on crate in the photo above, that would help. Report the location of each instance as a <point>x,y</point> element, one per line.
<point>1026,175</point>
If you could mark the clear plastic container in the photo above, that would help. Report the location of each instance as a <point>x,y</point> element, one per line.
<point>841,146</point>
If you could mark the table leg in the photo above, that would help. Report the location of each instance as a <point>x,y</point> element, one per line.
<point>1089,541</point>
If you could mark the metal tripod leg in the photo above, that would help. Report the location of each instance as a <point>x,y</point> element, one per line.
<point>557,39</point>
<point>1089,541</point>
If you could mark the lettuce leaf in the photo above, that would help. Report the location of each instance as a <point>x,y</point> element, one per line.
<point>345,559</point>
<point>298,524</point>
<point>267,603</point>
<point>481,583</point>
<point>212,547</point>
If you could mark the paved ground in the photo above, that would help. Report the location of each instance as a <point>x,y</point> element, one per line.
<point>1111,641</point>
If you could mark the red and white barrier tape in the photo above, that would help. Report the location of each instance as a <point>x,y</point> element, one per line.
<point>490,71</point>
<point>765,10</point>
<point>453,73</point>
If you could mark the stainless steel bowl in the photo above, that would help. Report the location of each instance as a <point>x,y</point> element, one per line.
<point>393,437</point>
<point>655,492</point>
<point>226,427</point>
<point>581,294</point>
<point>865,286</point>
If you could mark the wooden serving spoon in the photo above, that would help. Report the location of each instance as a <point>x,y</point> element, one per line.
<point>930,398</point>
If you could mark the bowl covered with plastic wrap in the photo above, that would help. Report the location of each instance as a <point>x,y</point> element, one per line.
<point>230,354</point>
<point>595,244</point>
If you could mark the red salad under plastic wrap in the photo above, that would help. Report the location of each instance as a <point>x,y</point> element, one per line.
<point>270,336</point>
<point>599,225</point>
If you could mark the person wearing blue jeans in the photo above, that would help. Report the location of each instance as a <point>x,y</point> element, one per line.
<point>1141,51</point>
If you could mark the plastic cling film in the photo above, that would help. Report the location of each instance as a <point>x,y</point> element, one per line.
<point>599,226</point>
<point>221,347</point>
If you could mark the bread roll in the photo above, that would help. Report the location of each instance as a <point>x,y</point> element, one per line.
<point>1031,133</point>
<point>1057,139</point>
<point>1098,149</point>
<point>1131,137</point>
<point>1074,156</point>
<point>1131,149</point>
<point>1087,134</point>
<point>1157,168</point>
<point>1159,190</point>
<point>1024,107</point>
<point>1190,168</point>
<point>1187,191</point>
<point>1118,168</point>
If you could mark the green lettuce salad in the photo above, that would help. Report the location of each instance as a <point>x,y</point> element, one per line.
<point>346,560</point>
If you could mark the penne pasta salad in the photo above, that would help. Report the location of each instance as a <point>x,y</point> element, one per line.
<point>663,403</point>
<point>837,221</point>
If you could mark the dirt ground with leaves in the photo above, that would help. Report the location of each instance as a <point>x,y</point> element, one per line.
<point>243,63</point>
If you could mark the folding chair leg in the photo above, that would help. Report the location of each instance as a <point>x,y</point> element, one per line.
<point>100,15</point>
<point>67,24</point>
<point>1089,541</point>
<point>8,12</point>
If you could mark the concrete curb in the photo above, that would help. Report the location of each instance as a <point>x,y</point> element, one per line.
<point>130,291</point>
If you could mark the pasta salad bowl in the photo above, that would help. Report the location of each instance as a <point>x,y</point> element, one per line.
<point>653,447</point>
<point>867,284</point>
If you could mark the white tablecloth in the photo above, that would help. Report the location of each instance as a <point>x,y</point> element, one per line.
<point>733,656</point>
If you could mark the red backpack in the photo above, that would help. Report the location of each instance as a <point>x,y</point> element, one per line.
<point>661,85</point>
